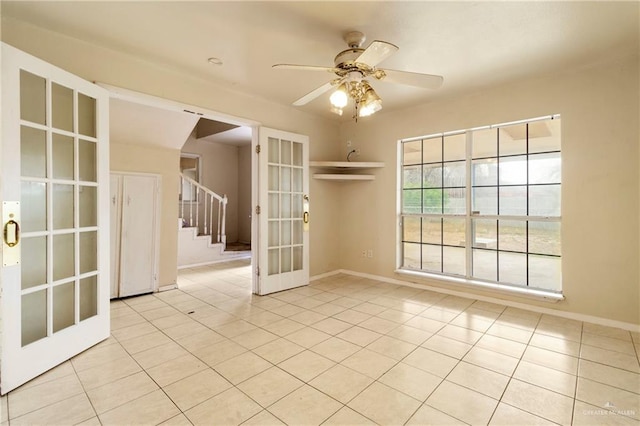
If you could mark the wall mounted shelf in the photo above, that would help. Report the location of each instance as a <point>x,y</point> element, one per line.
<point>345,168</point>
<point>346,165</point>
<point>338,176</point>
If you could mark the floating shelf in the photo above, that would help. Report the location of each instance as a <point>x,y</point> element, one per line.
<point>346,167</point>
<point>338,176</point>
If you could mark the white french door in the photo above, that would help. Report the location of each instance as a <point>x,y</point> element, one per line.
<point>283,219</point>
<point>54,186</point>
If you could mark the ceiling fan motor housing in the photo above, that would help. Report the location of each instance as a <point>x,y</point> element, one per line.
<point>346,62</point>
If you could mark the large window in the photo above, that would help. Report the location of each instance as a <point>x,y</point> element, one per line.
<point>484,204</point>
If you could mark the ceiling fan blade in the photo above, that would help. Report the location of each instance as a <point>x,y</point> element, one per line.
<point>426,81</point>
<point>313,94</point>
<point>303,67</point>
<point>377,52</point>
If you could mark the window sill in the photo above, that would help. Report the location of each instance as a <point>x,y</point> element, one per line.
<point>547,296</point>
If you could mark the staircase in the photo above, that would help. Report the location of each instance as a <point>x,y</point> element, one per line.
<point>202,236</point>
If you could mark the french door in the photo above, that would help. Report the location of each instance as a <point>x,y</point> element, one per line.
<point>283,203</point>
<point>54,186</point>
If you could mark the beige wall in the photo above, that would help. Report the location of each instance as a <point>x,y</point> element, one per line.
<point>118,69</point>
<point>244,193</point>
<point>600,215</point>
<point>128,157</point>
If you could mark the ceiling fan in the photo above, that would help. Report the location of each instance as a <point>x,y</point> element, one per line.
<point>352,67</point>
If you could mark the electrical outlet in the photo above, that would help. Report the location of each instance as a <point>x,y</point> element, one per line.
<point>370,254</point>
<point>348,144</point>
<point>364,253</point>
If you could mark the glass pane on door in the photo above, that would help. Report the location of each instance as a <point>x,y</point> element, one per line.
<point>51,199</point>
<point>34,316</point>
<point>34,272</point>
<point>86,115</point>
<point>63,256</point>
<point>62,107</point>
<point>88,297</point>
<point>88,252</point>
<point>33,152</point>
<point>87,166</point>
<point>285,208</point>
<point>34,206</point>
<point>62,157</point>
<point>88,206</point>
<point>63,206</point>
<point>63,306</point>
<point>33,98</point>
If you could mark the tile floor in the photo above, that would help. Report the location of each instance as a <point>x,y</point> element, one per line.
<point>344,350</point>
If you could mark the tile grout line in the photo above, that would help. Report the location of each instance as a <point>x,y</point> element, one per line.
<point>514,372</point>
<point>575,390</point>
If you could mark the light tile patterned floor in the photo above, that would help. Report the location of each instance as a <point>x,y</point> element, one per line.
<point>344,350</point>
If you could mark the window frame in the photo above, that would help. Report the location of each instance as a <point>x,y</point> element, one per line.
<point>471,217</point>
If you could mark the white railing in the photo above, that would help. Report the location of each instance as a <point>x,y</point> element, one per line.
<point>196,202</point>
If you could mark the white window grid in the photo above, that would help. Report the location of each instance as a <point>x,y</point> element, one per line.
<point>470,216</point>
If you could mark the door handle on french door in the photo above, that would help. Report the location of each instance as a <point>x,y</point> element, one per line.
<point>11,233</point>
<point>305,215</point>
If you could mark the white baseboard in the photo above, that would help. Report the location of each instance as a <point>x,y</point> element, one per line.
<point>563,314</point>
<point>325,275</point>
<point>167,287</point>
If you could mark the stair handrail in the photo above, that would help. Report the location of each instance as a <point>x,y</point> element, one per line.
<point>221,236</point>
<point>221,198</point>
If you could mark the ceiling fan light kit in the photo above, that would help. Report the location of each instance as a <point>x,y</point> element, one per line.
<point>340,97</point>
<point>353,66</point>
<point>366,100</point>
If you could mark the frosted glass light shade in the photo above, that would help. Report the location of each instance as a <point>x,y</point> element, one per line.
<point>339,98</point>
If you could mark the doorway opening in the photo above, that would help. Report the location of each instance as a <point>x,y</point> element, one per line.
<point>213,171</point>
<point>217,156</point>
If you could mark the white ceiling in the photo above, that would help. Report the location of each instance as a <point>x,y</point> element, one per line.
<point>472,44</point>
<point>239,136</point>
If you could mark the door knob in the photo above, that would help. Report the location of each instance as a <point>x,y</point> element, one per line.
<point>11,233</point>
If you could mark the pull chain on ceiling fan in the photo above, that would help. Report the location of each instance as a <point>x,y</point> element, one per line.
<point>353,66</point>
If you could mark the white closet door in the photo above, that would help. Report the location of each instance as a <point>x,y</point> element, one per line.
<point>116,211</point>
<point>138,236</point>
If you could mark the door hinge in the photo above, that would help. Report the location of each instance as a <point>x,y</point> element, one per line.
<point>258,149</point>
<point>257,209</point>
<point>258,271</point>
